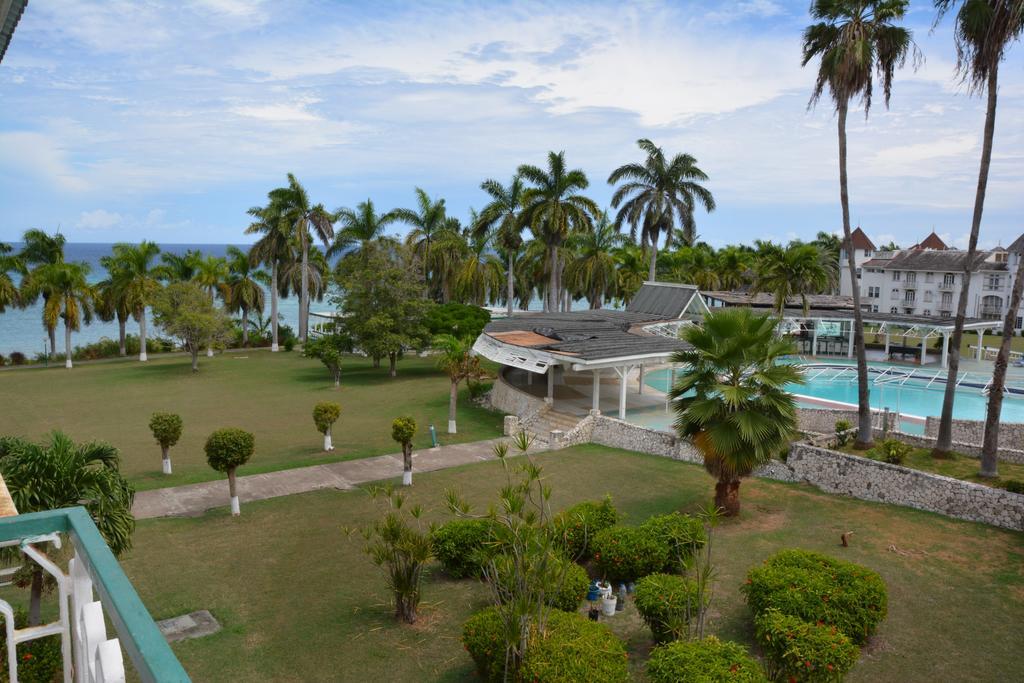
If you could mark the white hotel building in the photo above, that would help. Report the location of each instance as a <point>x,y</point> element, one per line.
<point>926,278</point>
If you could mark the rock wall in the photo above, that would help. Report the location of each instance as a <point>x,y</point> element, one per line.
<point>850,475</point>
<point>1011,434</point>
<point>511,401</point>
<point>616,433</point>
<point>823,420</point>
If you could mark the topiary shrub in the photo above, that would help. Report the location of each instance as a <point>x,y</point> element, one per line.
<point>572,588</point>
<point>627,553</point>
<point>227,450</point>
<point>681,535</point>
<point>481,636</point>
<point>708,661</point>
<point>166,428</point>
<point>577,525</point>
<point>18,358</point>
<point>325,414</point>
<point>801,651</point>
<point>818,588</point>
<point>666,602</point>
<point>462,546</point>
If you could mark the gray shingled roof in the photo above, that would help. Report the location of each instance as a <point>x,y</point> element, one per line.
<point>892,318</point>
<point>949,261</point>
<point>664,300</point>
<point>765,300</point>
<point>10,13</point>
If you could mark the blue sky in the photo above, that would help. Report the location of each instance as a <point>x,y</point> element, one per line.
<point>128,120</point>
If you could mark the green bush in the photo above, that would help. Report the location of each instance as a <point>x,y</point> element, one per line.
<point>681,535</point>
<point>478,389</point>
<point>627,553</point>
<point>461,546</point>
<point>704,661</point>
<point>893,451</point>
<point>572,588</point>
<point>482,638</point>
<point>666,602</point>
<point>801,651</point>
<point>577,526</point>
<point>1014,486</point>
<point>39,661</point>
<point>818,588</point>
<point>166,428</point>
<point>18,358</point>
<point>575,650</point>
<point>459,320</point>
<point>325,414</point>
<point>843,433</point>
<point>288,344</point>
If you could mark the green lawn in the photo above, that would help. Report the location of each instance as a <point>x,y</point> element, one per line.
<point>957,466</point>
<point>300,602</point>
<point>271,395</point>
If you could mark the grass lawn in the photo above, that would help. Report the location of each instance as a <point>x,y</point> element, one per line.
<point>957,466</point>
<point>300,602</point>
<point>271,395</point>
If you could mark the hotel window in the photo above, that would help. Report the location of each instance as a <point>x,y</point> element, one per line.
<point>993,282</point>
<point>1020,322</point>
<point>949,279</point>
<point>894,310</point>
<point>928,296</point>
<point>908,295</point>
<point>947,298</point>
<point>895,294</point>
<point>927,312</point>
<point>911,277</point>
<point>867,253</point>
<point>928,277</point>
<point>858,273</point>
<point>874,292</point>
<point>874,309</point>
<point>895,276</point>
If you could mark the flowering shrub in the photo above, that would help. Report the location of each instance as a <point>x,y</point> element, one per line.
<point>708,661</point>
<point>462,546</point>
<point>39,661</point>
<point>666,603</point>
<point>571,589</point>
<point>802,651</point>
<point>481,636</point>
<point>818,588</point>
<point>577,526</point>
<point>681,535</point>
<point>626,553</point>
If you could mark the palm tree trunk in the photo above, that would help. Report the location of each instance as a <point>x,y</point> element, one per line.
<point>142,334</point>
<point>304,295</point>
<point>453,397</point>
<point>245,326</point>
<point>864,435</point>
<point>35,598</point>
<point>67,343</point>
<point>551,304</point>
<point>990,444</point>
<point>727,497</point>
<point>510,292</point>
<point>944,442</point>
<point>52,332</point>
<point>273,307</point>
<point>209,345</point>
<point>122,324</point>
<point>235,508</point>
<point>653,270</point>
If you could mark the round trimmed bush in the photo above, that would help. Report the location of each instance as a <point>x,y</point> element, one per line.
<point>229,448</point>
<point>666,603</point>
<point>625,553</point>
<point>708,661</point>
<point>325,414</point>
<point>680,534</point>
<point>166,428</point>
<point>481,636</point>
<point>462,546</point>
<point>572,581</point>
<point>802,651</point>
<point>576,526</point>
<point>818,588</point>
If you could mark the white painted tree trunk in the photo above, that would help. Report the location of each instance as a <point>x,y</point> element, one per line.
<point>209,352</point>
<point>167,465</point>
<point>328,446</point>
<point>142,336</point>
<point>235,507</point>
<point>273,308</point>
<point>407,478</point>
<point>67,345</point>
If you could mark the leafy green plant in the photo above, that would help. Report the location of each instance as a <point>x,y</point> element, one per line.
<point>39,661</point>
<point>462,546</point>
<point>329,349</point>
<point>576,526</point>
<point>403,429</point>
<point>681,535</point>
<point>667,603</point>
<point>18,358</point>
<point>288,343</point>
<point>818,588</point>
<point>708,661</point>
<point>460,320</point>
<point>893,451</point>
<point>801,651</point>
<point>1014,486</point>
<point>478,389</point>
<point>844,430</point>
<point>625,553</point>
<point>325,414</point>
<point>166,428</point>
<point>227,450</point>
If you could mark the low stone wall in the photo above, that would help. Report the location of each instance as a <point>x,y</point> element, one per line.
<point>973,431</point>
<point>823,420</point>
<point>512,401</point>
<point>835,472</point>
<point>609,431</point>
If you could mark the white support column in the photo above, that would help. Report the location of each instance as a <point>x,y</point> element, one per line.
<point>886,346</point>
<point>814,339</point>
<point>924,349</point>
<point>623,374</point>
<point>945,351</point>
<point>550,399</point>
<point>595,407</point>
<point>849,345</point>
<point>981,344</point>
<point>640,390</point>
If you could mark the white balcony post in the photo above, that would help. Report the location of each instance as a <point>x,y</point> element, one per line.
<point>595,406</point>
<point>640,390</point>
<point>924,348</point>
<point>945,350</point>
<point>849,344</point>
<point>887,345</point>
<point>814,339</point>
<point>981,344</point>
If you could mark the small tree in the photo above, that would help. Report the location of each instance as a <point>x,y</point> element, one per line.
<point>183,310</point>
<point>403,429</point>
<point>329,350</point>
<point>457,361</point>
<point>166,428</point>
<point>325,414</point>
<point>227,450</point>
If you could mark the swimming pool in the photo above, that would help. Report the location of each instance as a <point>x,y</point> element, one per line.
<point>914,393</point>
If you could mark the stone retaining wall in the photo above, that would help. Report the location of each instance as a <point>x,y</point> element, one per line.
<point>973,431</point>
<point>512,401</point>
<point>823,420</point>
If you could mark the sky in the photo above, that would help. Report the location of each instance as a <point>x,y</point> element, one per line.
<point>124,120</point>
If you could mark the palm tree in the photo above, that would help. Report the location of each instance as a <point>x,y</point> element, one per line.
<point>179,267</point>
<point>457,361</point>
<point>733,264</point>
<point>212,275</point>
<point>853,39</point>
<point>315,271</point>
<point>480,277</point>
<point>273,249</point>
<point>9,292</point>
<point>984,29</point>
<point>138,282</point>
<point>693,265</point>
<point>553,208</point>
<point>796,271</point>
<point>503,214</point>
<point>452,247</point>
<point>62,474</point>
<point>243,289</point>
<point>70,298</point>
<point>359,228</point>
<point>428,219</point>
<point>656,193</point>
<point>302,215</point>
<point>740,414</point>
<point>110,301</point>
<point>40,250</point>
<point>592,272</point>
<point>632,268</point>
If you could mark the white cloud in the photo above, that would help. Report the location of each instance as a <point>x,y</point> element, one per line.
<point>41,156</point>
<point>99,219</point>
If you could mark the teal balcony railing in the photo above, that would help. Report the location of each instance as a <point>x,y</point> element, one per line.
<point>93,571</point>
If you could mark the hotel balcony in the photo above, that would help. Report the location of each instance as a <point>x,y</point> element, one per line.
<point>991,312</point>
<point>92,591</point>
<point>944,287</point>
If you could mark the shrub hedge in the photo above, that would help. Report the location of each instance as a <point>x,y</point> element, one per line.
<point>818,588</point>
<point>680,534</point>
<point>708,661</point>
<point>578,525</point>
<point>666,602</point>
<point>462,546</point>
<point>801,651</point>
<point>625,553</point>
<point>39,661</point>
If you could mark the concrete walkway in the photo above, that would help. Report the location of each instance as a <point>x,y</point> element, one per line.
<point>195,499</point>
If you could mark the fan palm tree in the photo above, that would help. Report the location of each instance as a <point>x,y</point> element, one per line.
<point>503,215</point>
<point>243,288</point>
<point>303,215</point>
<point>984,30</point>
<point>39,250</point>
<point>70,297</point>
<point>427,220</point>
<point>61,474</point>
<point>458,362</point>
<point>9,292</point>
<point>796,271</point>
<point>658,192</point>
<point>553,208</point>
<point>138,282</point>
<point>739,415</point>
<point>360,227</point>
<point>853,39</point>
<point>480,276</point>
<point>273,249</point>
<point>179,267</point>
<point>592,272</point>
<point>212,276</point>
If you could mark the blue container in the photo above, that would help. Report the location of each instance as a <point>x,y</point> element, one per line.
<point>593,593</point>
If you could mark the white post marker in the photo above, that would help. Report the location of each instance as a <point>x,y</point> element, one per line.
<point>596,391</point>
<point>407,478</point>
<point>451,427</point>
<point>274,348</point>
<point>209,352</point>
<point>981,343</point>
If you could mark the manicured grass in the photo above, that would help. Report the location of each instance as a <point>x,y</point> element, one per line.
<point>957,466</point>
<point>271,395</point>
<point>299,601</point>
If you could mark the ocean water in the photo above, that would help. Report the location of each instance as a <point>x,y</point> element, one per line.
<point>22,329</point>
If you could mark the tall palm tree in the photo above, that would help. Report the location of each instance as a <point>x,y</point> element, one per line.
<point>59,474</point>
<point>70,298</point>
<point>40,250</point>
<point>179,267</point>
<point>315,270</point>
<point>9,292</point>
<point>303,216</point>
<point>212,276</point>
<point>243,289</point>
<point>631,271</point>
<point>110,301</point>
<point>458,362</point>
<point>592,272</point>
<point>796,271</point>
<point>740,414</point>
<point>852,40</point>
<point>693,265</point>
<point>360,227</point>
<point>273,249</point>
<point>138,282</point>
<point>428,219</point>
<point>503,215</point>
<point>452,247</point>
<point>553,208</point>
<point>480,277</point>
<point>984,30</point>
<point>658,192</point>
<point>733,265</point>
